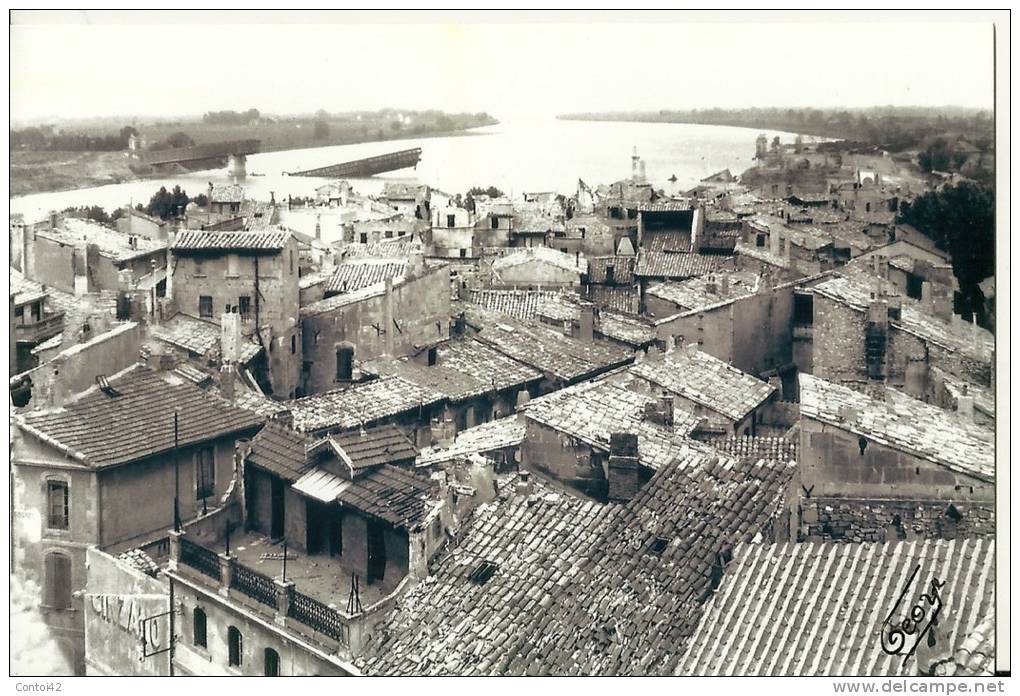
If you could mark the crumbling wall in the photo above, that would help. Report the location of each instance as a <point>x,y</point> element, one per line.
<point>879,520</point>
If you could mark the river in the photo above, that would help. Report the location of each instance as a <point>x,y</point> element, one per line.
<point>541,154</point>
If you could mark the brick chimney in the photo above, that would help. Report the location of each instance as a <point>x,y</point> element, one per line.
<point>623,470</point>
<point>965,405</point>
<point>230,351</point>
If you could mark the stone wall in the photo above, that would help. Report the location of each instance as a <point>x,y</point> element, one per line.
<point>879,520</point>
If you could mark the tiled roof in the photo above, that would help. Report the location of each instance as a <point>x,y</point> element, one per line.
<point>201,338</point>
<point>360,404</point>
<point>623,269</point>
<point>756,447</point>
<point>541,254</point>
<point>520,304</point>
<point>464,369</point>
<point>25,290</point>
<point>101,430</point>
<point>551,352</point>
<point>111,243</point>
<point>706,380</point>
<point>632,330</point>
<point>282,451</point>
<point>856,292</point>
<point>666,206</point>
<point>835,597</point>
<point>704,291</point>
<point>383,444</point>
<point>664,264</point>
<point>399,497</point>
<point>536,218</point>
<point>398,248</point>
<point>623,299</point>
<point>199,240</point>
<point>487,437</point>
<point>904,423</point>
<point>761,254</point>
<point>665,241</point>
<point>579,588</point>
<point>355,275</point>
<point>335,302</point>
<point>592,411</point>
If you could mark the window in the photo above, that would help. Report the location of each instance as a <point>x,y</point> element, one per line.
<point>57,592</point>
<point>364,237</point>
<point>272,663</point>
<point>56,495</point>
<point>610,273</point>
<point>198,632</point>
<point>433,356</point>
<point>234,647</point>
<point>292,262</point>
<point>494,221</point>
<point>803,309</point>
<point>389,234</point>
<point>293,344</point>
<point>344,362</point>
<point>451,220</point>
<point>463,253</point>
<point>244,307</point>
<point>482,572</point>
<point>205,473</point>
<point>759,240</point>
<point>582,231</point>
<point>205,306</point>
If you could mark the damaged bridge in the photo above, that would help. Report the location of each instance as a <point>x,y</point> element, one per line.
<point>368,166</point>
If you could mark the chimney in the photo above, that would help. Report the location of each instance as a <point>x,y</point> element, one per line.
<point>587,321</point>
<point>208,192</point>
<point>666,404</point>
<point>318,227</point>
<point>786,248</point>
<point>926,293</point>
<point>710,286</point>
<point>965,406</point>
<point>272,199</point>
<point>774,242</point>
<point>623,472</point>
<point>883,267</point>
<point>942,302</point>
<point>524,484</point>
<point>389,328</point>
<point>53,220</point>
<point>876,336</point>
<point>724,284</point>
<point>227,379</point>
<point>230,337</point>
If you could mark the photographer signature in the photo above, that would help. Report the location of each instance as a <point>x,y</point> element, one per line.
<point>901,637</point>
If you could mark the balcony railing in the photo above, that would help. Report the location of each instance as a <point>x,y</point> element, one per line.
<point>200,558</point>
<point>319,617</point>
<point>47,327</point>
<point>254,584</point>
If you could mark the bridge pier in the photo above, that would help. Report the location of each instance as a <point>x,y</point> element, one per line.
<point>236,166</point>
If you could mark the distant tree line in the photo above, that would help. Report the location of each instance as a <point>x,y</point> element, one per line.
<point>231,117</point>
<point>169,204</point>
<point>45,138</point>
<point>960,220</point>
<point>468,201</point>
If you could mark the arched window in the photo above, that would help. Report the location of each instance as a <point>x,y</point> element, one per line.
<point>198,628</point>
<point>234,645</point>
<point>272,662</point>
<point>57,571</point>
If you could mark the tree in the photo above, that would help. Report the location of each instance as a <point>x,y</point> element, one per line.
<point>469,197</point>
<point>125,134</point>
<point>960,220</point>
<point>396,126</point>
<point>167,204</point>
<point>321,130</point>
<point>935,157</point>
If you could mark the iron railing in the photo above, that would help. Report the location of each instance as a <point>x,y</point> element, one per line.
<point>253,584</point>
<point>200,558</point>
<point>318,616</point>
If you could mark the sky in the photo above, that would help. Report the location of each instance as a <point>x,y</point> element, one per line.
<point>85,63</point>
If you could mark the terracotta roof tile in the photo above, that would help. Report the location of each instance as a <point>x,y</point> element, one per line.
<point>360,404</point>
<point>199,240</point>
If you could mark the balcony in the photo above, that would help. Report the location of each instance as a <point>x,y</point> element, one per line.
<point>319,599</point>
<point>47,327</point>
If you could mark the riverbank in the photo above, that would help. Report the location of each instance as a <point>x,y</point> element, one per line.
<point>45,171</point>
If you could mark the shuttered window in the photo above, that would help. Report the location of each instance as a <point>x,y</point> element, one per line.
<point>205,470</point>
<point>58,505</point>
<point>57,590</point>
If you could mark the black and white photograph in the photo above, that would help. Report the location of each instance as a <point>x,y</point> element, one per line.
<point>488,343</point>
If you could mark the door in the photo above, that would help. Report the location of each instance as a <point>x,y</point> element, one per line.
<point>376,552</point>
<point>313,525</point>
<point>276,507</point>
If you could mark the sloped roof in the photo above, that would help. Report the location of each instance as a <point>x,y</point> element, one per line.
<point>111,243</point>
<point>704,291</point>
<point>486,437</point>
<point>101,430</point>
<point>280,450</point>
<point>360,404</point>
<point>25,290</point>
<point>706,380</point>
<point>551,352</point>
<point>272,240</point>
<point>352,276</point>
<point>578,587</point>
<point>464,369</point>
<point>227,193</point>
<point>757,447</point>
<point>520,304</point>
<point>837,595</point>
<point>541,254</point>
<point>199,337</point>
<point>389,493</point>
<point>382,444</point>
<point>592,411</point>
<point>904,423</point>
<point>667,264</point>
<point>623,269</point>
